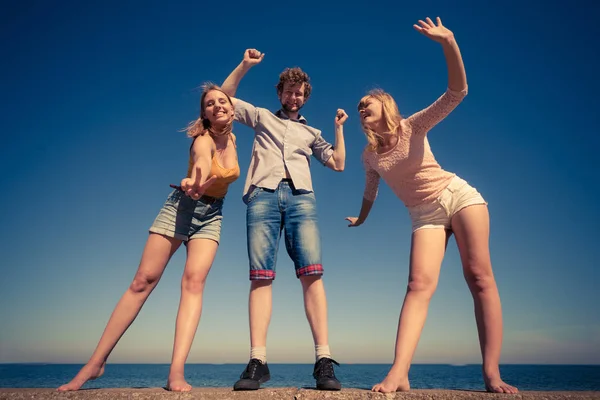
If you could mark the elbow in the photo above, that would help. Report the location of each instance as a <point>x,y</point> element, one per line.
<point>338,163</point>
<point>339,167</point>
<point>228,91</point>
<point>461,90</point>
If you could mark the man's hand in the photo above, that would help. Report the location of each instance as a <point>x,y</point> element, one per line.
<point>340,117</point>
<point>252,57</point>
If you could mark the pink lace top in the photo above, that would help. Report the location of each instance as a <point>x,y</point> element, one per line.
<point>410,169</point>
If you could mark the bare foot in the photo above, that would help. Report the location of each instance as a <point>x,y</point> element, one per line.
<point>497,385</point>
<point>393,383</point>
<point>177,383</point>
<point>88,372</point>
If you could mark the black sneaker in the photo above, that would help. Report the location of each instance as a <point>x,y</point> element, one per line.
<point>325,376</point>
<point>255,373</point>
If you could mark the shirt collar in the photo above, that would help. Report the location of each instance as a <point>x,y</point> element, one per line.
<point>283,115</point>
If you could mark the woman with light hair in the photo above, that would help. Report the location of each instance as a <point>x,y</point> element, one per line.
<point>440,204</point>
<point>192,215</point>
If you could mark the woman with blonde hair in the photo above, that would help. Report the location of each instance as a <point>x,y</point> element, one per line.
<point>192,215</point>
<point>440,204</point>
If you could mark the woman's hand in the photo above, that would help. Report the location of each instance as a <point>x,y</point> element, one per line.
<point>354,221</point>
<point>438,33</point>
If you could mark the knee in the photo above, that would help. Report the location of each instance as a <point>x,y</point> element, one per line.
<point>143,282</point>
<point>422,286</point>
<point>193,282</point>
<point>260,283</point>
<point>308,280</point>
<point>479,277</point>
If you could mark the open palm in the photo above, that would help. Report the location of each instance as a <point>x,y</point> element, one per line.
<point>438,32</point>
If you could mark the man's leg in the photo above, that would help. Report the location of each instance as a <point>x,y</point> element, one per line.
<point>303,244</point>
<point>315,306</point>
<point>260,305</point>
<point>263,225</point>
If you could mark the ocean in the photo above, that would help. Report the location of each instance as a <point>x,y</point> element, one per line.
<point>362,376</point>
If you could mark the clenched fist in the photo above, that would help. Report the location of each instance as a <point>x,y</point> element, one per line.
<point>252,57</point>
<point>340,117</point>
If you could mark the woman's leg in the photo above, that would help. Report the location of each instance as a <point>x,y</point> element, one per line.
<point>426,255</point>
<point>156,255</point>
<point>200,256</point>
<point>471,227</point>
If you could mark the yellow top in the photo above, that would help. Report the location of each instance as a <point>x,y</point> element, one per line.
<point>225,176</point>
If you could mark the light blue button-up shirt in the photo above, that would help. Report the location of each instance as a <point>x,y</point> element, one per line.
<point>280,143</point>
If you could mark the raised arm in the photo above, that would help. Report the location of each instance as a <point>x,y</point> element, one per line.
<point>199,179</point>
<point>251,58</point>
<point>337,161</point>
<point>457,77</point>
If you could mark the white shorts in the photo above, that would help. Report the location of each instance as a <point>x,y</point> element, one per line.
<point>438,214</point>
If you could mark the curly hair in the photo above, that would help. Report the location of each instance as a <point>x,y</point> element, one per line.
<point>294,76</point>
<point>202,125</point>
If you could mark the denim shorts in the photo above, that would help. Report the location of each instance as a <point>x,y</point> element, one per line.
<point>284,209</point>
<point>185,219</point>
<point>438,213</point>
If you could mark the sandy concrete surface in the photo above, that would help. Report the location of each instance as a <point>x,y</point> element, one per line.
<point>278,393</point>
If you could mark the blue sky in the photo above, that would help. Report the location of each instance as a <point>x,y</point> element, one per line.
<point>95,96</point>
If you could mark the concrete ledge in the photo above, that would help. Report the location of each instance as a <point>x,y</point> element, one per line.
<point>279,393</point>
